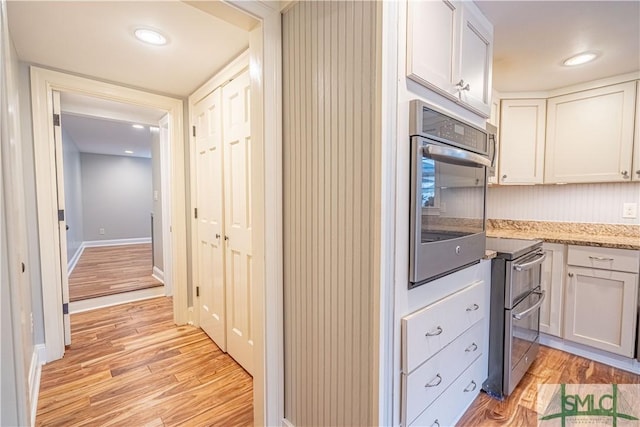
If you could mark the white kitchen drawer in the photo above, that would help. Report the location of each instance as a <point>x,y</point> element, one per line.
<point>448,408</point>
<point>432,378</point>
<point>604,258</point>
<point>428,330</point>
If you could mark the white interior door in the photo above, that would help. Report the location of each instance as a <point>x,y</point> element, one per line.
<point>62,224</point>
<point>237,168</point>
<point>208,120</point>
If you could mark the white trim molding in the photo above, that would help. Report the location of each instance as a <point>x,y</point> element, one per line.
<point>43,83</point>
<point>115,242</point>
<point>158,274</point>
<point>109,300</point>
<point>597,355</point>
<point>35,372</point>
<point>73,261</point>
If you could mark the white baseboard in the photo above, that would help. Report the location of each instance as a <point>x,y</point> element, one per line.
<point>620,362</point>
<point>158,274</point>
<point>75,258</point>
<point>35,371</point>
<point>286,423</point>
<point>115,242</point>
<point>109,300</point>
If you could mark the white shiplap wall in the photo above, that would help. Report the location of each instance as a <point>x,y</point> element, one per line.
<point>329,145</point>
<point>598,203</point>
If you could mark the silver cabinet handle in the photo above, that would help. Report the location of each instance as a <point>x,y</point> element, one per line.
<point>474,307</point>
<point>472,347</point>
<point>461,86</point>
<point>625,174</point>
<point>473,383</point>
<point>600,258</point>
<point>434,382</point>
<point>438,331</point>
<point>504,176</point>
<point>638,172</point>
<point>436,423</point>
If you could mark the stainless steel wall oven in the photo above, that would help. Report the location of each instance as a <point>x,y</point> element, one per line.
<point>449,160</point>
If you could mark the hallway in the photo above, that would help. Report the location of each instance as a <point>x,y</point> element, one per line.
<point>130,365</point>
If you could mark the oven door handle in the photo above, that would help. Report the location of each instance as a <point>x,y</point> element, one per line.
<point>529,311</point>
<point>531,264</point>
<point>454,155</point>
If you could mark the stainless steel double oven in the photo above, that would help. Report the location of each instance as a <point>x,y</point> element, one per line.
<point>516,297</point>
<point>449,160</point>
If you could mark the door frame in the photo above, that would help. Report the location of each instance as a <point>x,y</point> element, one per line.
<point>265,63</point>
<point>43,83</point>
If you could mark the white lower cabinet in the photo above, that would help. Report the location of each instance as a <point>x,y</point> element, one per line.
<point>444,347</point>
<point>553,285</point>
<point>602,298</point>
<point>446,410</point>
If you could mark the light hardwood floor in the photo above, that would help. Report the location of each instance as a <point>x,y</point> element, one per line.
<point>129,365</point>
<point>109,270</point>
<point>550,367</point>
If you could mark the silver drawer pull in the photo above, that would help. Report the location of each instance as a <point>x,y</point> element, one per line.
<point>472,347</point>
<point>468,389</point>
<point>600,258</point>
<point>436,423</point>
<point>434,382</point>
<point>474,307</point>
<point>438,331</point>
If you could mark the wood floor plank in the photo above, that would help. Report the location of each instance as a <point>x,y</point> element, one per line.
<point>550,367</point>
<point>109,270</point>
<point>129,365</point>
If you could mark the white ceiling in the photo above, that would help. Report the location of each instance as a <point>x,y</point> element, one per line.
<point>95,38</point>
<point>532,38</point>
<point>105,136</point>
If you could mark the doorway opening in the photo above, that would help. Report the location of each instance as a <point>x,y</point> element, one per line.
<point>115,201</point>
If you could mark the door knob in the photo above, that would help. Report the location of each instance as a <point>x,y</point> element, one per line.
<point>570,274</point>
<point>625,174</point>
<point>504,176</point>
<point>67,227</point>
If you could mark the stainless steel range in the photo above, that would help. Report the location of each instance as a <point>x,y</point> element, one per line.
<point>516,298</point>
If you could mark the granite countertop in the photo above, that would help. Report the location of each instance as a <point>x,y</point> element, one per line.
<point>619,236</point>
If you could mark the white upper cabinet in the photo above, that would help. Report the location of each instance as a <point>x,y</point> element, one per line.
<point>450,50</point>
<point>636,143</point>
<point>590,135</point>
<point>475,61</point>
<point>522,124</point>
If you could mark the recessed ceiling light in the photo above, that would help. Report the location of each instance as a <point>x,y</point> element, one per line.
<point>128,151</point>
<point>137,126</point>
<point>150,36</point>
<point>579,59</point>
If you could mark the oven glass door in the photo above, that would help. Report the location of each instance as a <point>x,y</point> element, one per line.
<point>452,192</point>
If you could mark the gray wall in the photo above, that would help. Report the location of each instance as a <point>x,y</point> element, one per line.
<point>157,201</point>
<point>72,193</point>
<point>116,196</point>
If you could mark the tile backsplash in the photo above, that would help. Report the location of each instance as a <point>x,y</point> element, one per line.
<point>595,203</point>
